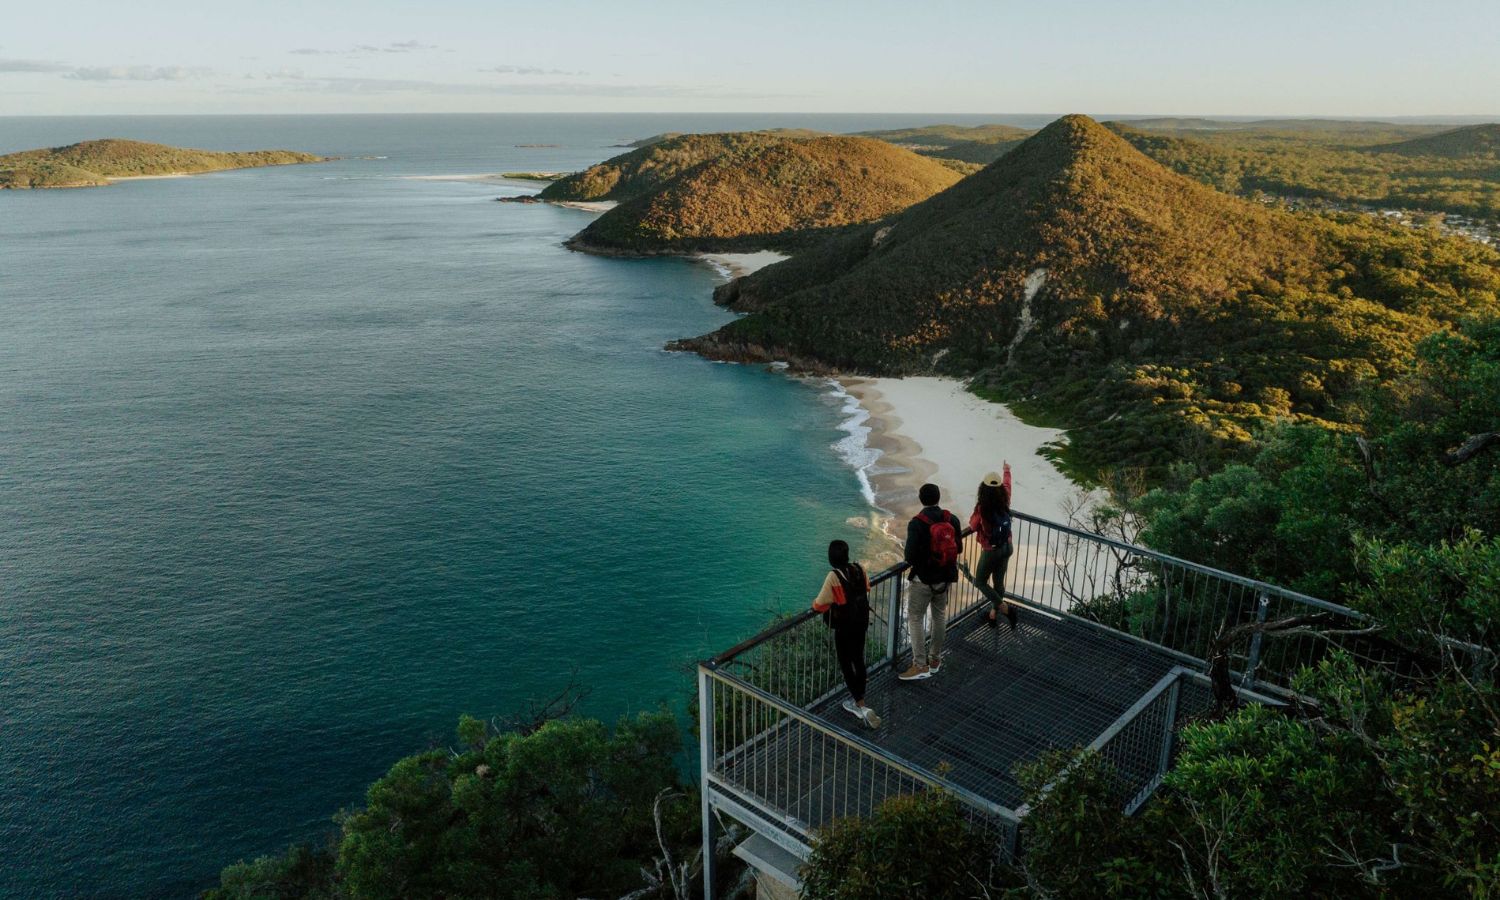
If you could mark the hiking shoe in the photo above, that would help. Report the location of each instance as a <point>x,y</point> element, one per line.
<point>935,668</point>
<point>869,716</point>
<point>915,673</point>
<point>853,707</point>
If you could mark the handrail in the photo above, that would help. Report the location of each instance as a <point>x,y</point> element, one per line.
<point>791,622</point>
<point>1241,580</point>
<point>863,745</point>
<point>900,567</point>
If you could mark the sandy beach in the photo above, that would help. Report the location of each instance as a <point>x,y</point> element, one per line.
<point>932,429</point>
<point>903,432</point>
<point>163,175</point>
<point>589,205</point>
<point>733,265</point>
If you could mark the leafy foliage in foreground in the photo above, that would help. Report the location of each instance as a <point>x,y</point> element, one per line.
<point>565,811</point>
<point>913,846</point>
<point>93,163</point>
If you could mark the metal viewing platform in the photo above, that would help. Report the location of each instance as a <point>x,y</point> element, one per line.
<point>1110,655</point>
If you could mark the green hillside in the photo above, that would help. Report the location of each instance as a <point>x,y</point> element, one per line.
<point>1473,142</point>
<point>92,163</point>
<point>939,136</point>
<point>974,144</point>
<point>1142,307</point>
<point>1346,131</point>
<point>659,160</point>
<point>762,192</point>
<point>1325,166</point>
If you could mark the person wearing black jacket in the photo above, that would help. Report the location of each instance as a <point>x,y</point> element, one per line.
<point>928,587</point>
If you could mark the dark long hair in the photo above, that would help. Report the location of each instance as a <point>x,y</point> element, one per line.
<point>993,501</point>
<point>838,557</point>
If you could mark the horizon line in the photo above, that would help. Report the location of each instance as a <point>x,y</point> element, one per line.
<point>1228,117</point>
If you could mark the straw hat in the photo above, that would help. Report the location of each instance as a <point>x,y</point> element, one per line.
<point>993,479</point>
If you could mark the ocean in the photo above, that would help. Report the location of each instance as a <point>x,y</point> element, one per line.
<point>299,464</point>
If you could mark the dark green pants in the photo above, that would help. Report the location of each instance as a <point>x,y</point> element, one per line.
<point>989,574</point>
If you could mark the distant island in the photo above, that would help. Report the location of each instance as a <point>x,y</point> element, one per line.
<point>97,163</point>
<point>742,191</point>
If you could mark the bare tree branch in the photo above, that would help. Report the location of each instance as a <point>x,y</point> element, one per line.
<point>536,713</point>
<point>1470,448</point>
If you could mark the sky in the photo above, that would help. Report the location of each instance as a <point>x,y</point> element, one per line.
<point>1151,57</point>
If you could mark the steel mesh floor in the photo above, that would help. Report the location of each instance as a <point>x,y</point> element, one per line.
<point>1005,697</point>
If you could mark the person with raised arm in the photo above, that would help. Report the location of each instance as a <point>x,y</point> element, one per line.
<point>992,526</point>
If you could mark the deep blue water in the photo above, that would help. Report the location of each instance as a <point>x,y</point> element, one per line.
<point>298,464</point>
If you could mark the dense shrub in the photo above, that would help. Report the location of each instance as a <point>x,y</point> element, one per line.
<point>915,846</point>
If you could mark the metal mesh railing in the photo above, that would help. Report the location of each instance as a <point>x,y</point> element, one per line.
<point>1177,605</point>
<point>1138,745</point>
<point>794,660</point>
<point>768,757</point>
<point>797,773</point>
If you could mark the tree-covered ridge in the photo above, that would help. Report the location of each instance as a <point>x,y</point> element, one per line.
<point>769,193</point>
<point>1367,131</point>
<point>673,135</point>
<point>92,163</point>
<point>1447,172</point>
<point>1475,141</point>
<point>973,144</point>
<point>652,165</point>
<point>1145,307</point>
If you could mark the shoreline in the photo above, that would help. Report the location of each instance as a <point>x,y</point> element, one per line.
<point>966,437</point>
<point>736,265</point>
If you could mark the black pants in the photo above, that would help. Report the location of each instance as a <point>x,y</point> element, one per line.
<point>849,642</point>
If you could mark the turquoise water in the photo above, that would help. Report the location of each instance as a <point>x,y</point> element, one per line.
<point>299,464</point>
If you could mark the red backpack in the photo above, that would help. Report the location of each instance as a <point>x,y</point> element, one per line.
<point>942,541</point>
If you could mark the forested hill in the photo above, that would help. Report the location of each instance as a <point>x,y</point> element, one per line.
<point>651,166</point>
<point>1142,307</point>
<point>93,163</point>
<point>981,144</point>
<point>776,193</point>
<point>1473,142</point>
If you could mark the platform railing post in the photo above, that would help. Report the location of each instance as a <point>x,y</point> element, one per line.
<point>1253,661</point>
<point>1169,731</point>
<point>705,762</point>
<point>893,627</point>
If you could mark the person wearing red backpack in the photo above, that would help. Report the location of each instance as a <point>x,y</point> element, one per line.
<point>844,602</point>
<point>932,549</point>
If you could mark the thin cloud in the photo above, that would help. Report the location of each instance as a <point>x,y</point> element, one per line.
<point>529,70</point>
<point>357,85</point>
<point>139,73</point>
<point>358,49</point>
<point>32,65</point>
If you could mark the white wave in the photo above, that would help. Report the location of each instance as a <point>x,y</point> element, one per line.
<point>854,448</point>
<point>720,268</point>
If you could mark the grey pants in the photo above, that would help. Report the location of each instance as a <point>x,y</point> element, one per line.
<point>921,597</point>
<point>989,574</point>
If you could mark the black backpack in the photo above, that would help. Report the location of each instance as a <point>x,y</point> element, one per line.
<point>856,605</point>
